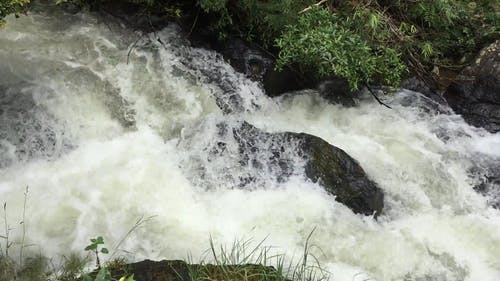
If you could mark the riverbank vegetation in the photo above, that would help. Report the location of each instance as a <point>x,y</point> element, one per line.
<point>243,260</point>
<point>362,41</point>
<point>239,262</point>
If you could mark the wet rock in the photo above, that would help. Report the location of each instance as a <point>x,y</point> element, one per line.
<point>119,108</point>
<point>232,91</point>
<point>427,89</point>
<point>133,15</point>
<point>277,83</point>
<point>285,154</point>
<point>422,101</point>
<point>336,91</point>
<point>176,270</point>
<point>475,94</point>
<point>341,176</point>
<point>28,130</point>
<point>70,8</point>
<point>252,62</point>
<point>487,180</point>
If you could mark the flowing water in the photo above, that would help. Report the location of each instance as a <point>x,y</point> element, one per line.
<point>107,126</point>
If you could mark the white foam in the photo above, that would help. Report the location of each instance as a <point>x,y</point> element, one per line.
<point>435,227</point>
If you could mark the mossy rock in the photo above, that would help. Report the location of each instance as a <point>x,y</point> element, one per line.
<point>341,175</point>
<point>176,270</point>
<point>337,172</point>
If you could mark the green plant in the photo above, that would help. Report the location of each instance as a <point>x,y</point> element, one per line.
<point>325,44</point>
<point>102,275</point>
<point>96,247</point>
<point>8,7</point>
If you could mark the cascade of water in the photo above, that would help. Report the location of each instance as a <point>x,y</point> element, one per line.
<point>102,138</point>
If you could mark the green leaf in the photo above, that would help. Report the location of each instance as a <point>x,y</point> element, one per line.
<point>103,275</point>
<point>104,251</point>
<point>91,247</point>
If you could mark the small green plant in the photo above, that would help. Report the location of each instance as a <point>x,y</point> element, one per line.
<point>96,247</point>
<point>102,275</point>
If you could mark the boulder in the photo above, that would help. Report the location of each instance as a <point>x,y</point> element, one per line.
<point>284,154</point>
<point>475,93</point>
<point>336,91</point>
<point>340,175</point>
<point>252,62</point>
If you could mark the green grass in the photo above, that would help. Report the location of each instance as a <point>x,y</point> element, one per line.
<point>243,260</point>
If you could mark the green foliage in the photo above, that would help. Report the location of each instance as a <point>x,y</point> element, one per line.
<point>95,246</point>
<point>326,44</point>
<point>8,7</point>
<point>263,21</point>
<point>212,5</point>
<point>102,275</point>
<point>430,33</point>
<point>379,39</point>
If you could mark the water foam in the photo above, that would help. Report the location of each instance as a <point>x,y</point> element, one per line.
<point>435,226</point>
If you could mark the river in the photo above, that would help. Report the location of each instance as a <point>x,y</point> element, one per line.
<point>107,126</point>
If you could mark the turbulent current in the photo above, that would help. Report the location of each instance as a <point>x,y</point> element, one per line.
<point>107,126</point>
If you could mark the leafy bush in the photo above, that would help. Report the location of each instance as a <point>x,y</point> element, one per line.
<point>327,45</point>
<point>363,41</point>
<point>8,7</point>
<point>380,38</point>
<point>440,33</point>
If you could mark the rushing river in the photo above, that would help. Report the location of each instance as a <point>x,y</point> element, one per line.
<point>107,126</point>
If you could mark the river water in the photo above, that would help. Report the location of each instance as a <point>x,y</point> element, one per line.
<point>107,126</point>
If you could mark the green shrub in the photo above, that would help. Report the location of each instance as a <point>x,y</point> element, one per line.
<point>8,7</point>
<point>326,44</point>
<point>363,41</point>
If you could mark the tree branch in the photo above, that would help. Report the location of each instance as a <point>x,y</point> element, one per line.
<point>376,97</point>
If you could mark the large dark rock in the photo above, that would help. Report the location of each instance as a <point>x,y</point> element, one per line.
<point>252,62</point>
<point>177,270</point>
<point>475,94</point>
<point>340,175</point>
<point>259,65</point>
<point>337,91</point>
<point>281,155</point>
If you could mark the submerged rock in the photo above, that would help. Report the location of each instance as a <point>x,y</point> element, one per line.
<point>475,94</point>
<point>427,89</point>
<point>28,130</point>
<point>247,156</point>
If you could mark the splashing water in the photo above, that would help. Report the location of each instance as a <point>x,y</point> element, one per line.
<point>102,142</point>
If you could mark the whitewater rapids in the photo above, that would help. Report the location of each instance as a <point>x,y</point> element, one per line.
<point>107,126</point>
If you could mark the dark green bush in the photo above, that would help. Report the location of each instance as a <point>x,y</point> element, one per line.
<point>8,7</point>
<point>327,45</point>
<point>363,41</point>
